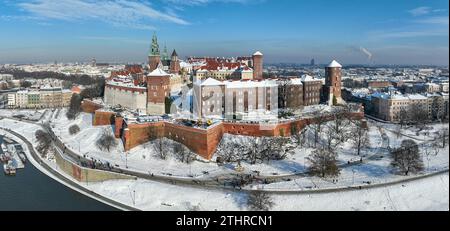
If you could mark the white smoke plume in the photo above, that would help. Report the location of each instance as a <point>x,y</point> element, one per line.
<point>365,51</point>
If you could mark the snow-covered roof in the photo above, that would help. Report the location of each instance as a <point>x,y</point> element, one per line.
<point>306,78</point>
<point>211,82</point>
<point>250,84</point>
<point>334,63</point>
<point>185,64</point>
<point>417,97</point>
<point>158,72</point>
<point>296,81</point>
<point>398,97</point>
<point>258,53</point>
<point>128,84</point>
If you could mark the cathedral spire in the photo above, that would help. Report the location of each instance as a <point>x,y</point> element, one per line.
<point>174,53</point>
<point>154,50</point>
<point>165,55</point>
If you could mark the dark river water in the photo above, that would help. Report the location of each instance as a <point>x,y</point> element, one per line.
<point>32,190</point>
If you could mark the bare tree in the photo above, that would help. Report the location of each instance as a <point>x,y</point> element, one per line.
<point>359,136</point>
<point>255,147</point>
<point>259,201</point>
<point>330,138</point>
<point>183,153</point>
<point>276,148</point>
<point>407,157</point>
<point>316,126</point>
<point>323,163</point>
<point>44,142</point>
<point>443,115</point>
<point>444,136</point>
<point>106,141</point>
<point>341,122</point>
<point>161,148</point>
<point>418,114</point>
<point>74,129</point>
<point>430,151</point>
<point>266,149</point>
<point>402,116</point>
<point>230,150</point>
<point>302,138</point>
<point>298,136</point>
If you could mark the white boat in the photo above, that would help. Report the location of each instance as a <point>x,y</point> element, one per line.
<point>9,169</point>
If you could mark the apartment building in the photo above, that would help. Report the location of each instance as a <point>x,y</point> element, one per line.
<point>46,97</point>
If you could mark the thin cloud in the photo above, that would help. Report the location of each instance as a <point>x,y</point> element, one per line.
<point>424,10</point>
<point>407,34</point>
<point>121,13</point>
<point>420,11</point>
<point>205,2</point>
<point>18,18</point>
<point>115,39</point>
<point>434,20</point>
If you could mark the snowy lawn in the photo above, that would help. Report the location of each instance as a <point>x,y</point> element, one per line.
<point>144,158</point>
<point>425,194</point>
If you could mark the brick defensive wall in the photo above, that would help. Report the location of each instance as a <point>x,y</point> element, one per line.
<point>204,142</point>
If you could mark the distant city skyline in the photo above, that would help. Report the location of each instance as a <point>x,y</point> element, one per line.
<point>413,32</point>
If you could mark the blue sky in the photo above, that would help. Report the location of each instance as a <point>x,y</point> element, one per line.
<point>352,31</point>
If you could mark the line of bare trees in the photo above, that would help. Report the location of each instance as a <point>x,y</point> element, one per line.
<point>78,79</point>
<point>414,114</point>
<point>164,148</point>
<point>326,134</point>
<point>253,149</point>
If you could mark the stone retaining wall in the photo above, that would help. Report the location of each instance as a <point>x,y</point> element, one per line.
<point>82,174</point>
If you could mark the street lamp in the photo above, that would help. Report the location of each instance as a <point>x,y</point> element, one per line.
<point>353,176</point>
